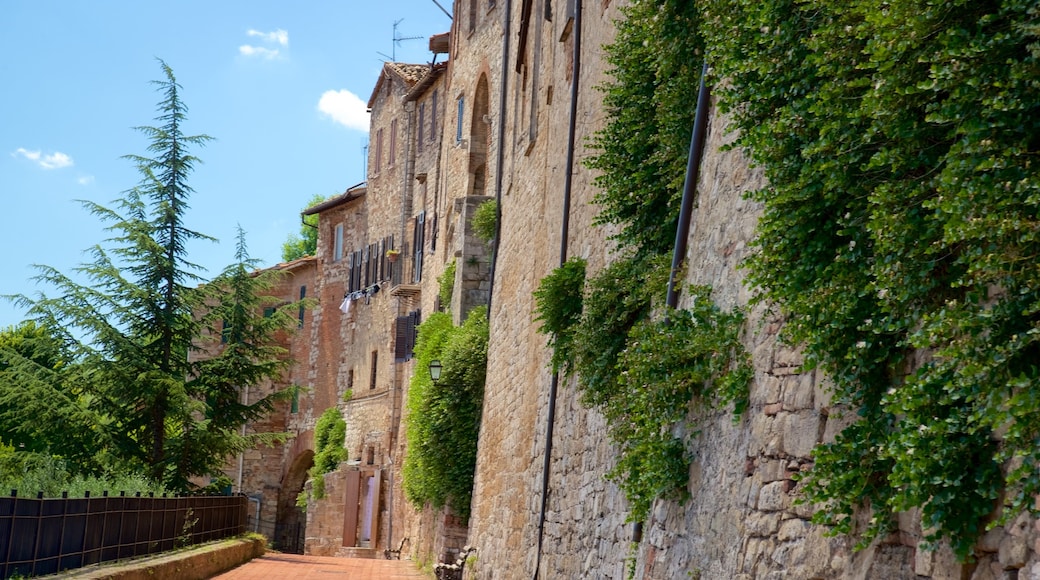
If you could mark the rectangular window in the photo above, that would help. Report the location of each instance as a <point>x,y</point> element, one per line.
<point>433,116</point>
<point>393,142</point>
<point>422,120</point>
<point>472,15</point>
<point>350,380</point>
<point>405,332</point>
<point>303,294</point>
<point>418,243</point>
<point>337,248</point>
<point>375,367</point>
<point>458,128</point>
<point>295,406</point>
<point>379,150</point>
<point>269,311</point>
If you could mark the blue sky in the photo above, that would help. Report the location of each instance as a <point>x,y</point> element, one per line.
<point>281,86</point>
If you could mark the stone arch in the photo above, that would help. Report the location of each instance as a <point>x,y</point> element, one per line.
<point>291,519</point>
<point>479,139</point>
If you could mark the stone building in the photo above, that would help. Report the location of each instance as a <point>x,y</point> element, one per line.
<point>264,473</point>
<point>507,117</point>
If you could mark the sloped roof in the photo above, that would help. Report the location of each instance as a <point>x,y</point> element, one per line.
<point>352,193</point>
<point>408,73</point>
<point>420,87</point>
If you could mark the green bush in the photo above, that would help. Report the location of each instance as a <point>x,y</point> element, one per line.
<point>443,420</point>
<point>329,434</point>
<point>485,220</point>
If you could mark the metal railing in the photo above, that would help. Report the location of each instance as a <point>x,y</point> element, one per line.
<point>46,536</point>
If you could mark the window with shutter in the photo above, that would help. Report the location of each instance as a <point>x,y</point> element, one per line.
<point>418,243</point>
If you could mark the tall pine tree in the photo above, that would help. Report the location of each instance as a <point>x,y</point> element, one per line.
<point>140,313</point>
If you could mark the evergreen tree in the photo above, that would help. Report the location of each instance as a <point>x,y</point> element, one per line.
<point>138,316</point>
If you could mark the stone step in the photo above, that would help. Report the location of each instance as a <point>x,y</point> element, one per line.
<point>356,553</point>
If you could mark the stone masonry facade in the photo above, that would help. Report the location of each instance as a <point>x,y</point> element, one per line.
<point>493,122</point>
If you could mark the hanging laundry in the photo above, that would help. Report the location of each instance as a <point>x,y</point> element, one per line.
<point>344,307</point>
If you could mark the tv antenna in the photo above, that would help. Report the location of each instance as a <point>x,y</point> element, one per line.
<point>397,42</point>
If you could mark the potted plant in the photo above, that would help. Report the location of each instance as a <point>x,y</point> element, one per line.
<point>392,255</point>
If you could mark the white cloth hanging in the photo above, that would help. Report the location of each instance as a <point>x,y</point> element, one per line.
<point>344,307</point>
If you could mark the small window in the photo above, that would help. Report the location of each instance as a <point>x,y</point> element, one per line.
<point>303,294</point>
<point>295,405</point>
<point>458,128</point>
<point>422,121</point>
<point>269,311</point>
<point>472,15</point>
<point>379,150</point>
<point>433,116</point>
<point>393,142</point>
<point>373,373</point>
<point>337,249</point>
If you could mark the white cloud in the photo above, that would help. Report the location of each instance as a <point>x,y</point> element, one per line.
<point>271,39</point>
<point>56,160</point>
<point>85,180</point>
<point>258,51</point>
<point>345,108</point>
<point>278,36</point>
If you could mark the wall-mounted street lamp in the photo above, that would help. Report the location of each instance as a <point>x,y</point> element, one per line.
<point>435,370</point>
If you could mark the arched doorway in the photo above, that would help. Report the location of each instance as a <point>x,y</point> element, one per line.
<point>292,520</point>
<point>479,142</point>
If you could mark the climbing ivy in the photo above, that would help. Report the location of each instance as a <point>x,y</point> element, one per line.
<point>443,418</point>
<point>330,431</point>
<point>650,100</point>
<point>900,237</point>
<point>559,302</point>
<point>643,368</point>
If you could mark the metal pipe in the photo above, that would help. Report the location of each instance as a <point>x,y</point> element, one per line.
<point>568,183</point>
<point>693,167</point>
<point>682,232</point>
<point>499,155</point>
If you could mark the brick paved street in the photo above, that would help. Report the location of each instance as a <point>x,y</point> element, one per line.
<point>275,566</point>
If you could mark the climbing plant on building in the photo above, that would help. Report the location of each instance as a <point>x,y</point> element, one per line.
<point>443,419</point>
<point>900,239</point>
<point>642,368</point>
<point>330,432</point>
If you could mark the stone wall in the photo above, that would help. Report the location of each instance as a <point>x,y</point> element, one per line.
<point>742,520</point>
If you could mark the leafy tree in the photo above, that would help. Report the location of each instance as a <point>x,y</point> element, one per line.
<point>305,244</point>
<point>135,322</point>
<point>35,371</point>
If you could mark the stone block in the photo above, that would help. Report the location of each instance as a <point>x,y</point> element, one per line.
<point>765,389</point>
<point>801,433</point>
<point>772,497</point>
<point>761,524</point>
<point>1013,552</point>
<point>798,392</point>
<point>793,529</point>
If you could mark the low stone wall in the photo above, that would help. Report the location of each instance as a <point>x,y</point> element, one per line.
<point>198,563</point>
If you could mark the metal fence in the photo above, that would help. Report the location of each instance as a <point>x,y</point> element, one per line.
<point>45,536</point>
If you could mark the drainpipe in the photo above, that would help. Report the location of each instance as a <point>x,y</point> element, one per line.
<point>256,519</point>
<point>241,455</point>
<point>693,168</point>
<point>550,419</point>
<point>499,155</point>
<point>682,232</point>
